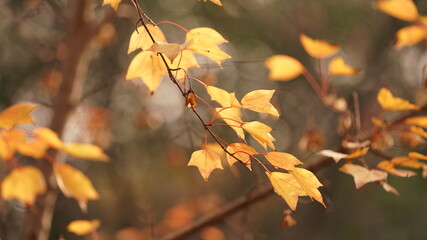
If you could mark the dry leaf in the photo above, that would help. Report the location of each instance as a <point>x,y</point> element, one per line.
<point>389,102</point>
<point>282,160</point>
<point>358,153</point>
<point>388,188</point>
<point>232,116</point>
<point>241,151</point>
<point>206,161</point>
<point>283,68</point>
<point>388,166</point>
<point>287,187</point>
<point>85,151</point>
<point>83,227</point>
<point>402,9</point>
<point>318,48</point>
<point>260,132</point>
<point>363,175</point>
<point>309,183</point>
<point>140,39</point>
<point>336,156</point>
<point>17,114</point>
<point>259,101</point>
<point>407,162</point>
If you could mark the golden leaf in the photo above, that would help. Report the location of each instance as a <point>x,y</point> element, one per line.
<point>287,187</point>
<point>283,68</point>
<point>113,3</point>
<point>389,102</point>
<point>402,9</point>
<point>140,39</point>
<point>318,48</point>
<point>232,116</point>
<point>419,121</point>
<point>17,114</point>
<point>259,101</point>
<point>9,141</point>
<point>358,153</point>
<point>389,167</point>
<point>170,50</point>
<point>409,36</point>
<point>337,66</point>
<point>309,182</point>
<point>206,161</point>
<point>419,131</point>
<point>184,61</point>
<point>417,156</point>
<point>260,132</point>
<point>217,2</point>
<point>83,227</point>
<point>24,184</point>
<point>73,183</point>
<point>241,151</point>
<point>407,162</point>
<point>282,160</point>
<point>224,98</point>
<point>85,151</point>
<point>49,137</point>
<point>33,148</point>
<point>363,175</point>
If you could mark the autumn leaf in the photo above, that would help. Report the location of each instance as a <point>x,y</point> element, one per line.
<point>242,152</point>
<point>149,67</point>
<point>287,187</point>
<point>418,121</point>
<point>308,181</point>
<point>336,156</point>
<point>283,68</point>
<point>260,132</point>
<point>9,141</point>
<point>388,188</point>
<point>407,162</point>
<point>419,131</point>
<point>85,151</point>
<point>259,101</point>
<point>140,39</point>
<point>282,160</point>
<point>170,50</point>
<point>83,227</point>
<point>184,61</point>
<point>401,9</point>
<point>73,183</point>
<point>389,167</point>
<point>217,2</point>
<point>363,175</point>
<point>114,3</point>
<point>389,102</point>
<point>24,184</point>
<point>49,137</point>
<point>337,66</point>
<point>318,48</point>
<point>17,114</point>
<point>33,148</point>
<point>224,98</point>
<point>409,36</point>
<point>232,116</point>
<point>206,161</point>
<point>417,156</point>
<point>358,153</point>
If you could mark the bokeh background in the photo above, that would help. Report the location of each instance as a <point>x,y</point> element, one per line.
<point>147,190</point>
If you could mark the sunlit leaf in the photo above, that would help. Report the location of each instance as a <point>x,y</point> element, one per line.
<point>24,184</point>
<point>282,160</point>
<point>402,9</point>
<point>170,50</point>
<point>140,39</point>
<point>9,141</point>
<point>287,187</point>
<point>378,122</point>
<point>419,121</point>
<point>260,132</point>
<point>318,48</point>
<point>49,137</point>
<point>83,227</point>
<point>114,3</point>
<point>217,2</point>
<point>17,114</point>
<point>309,183</point>
<point>73,183</point>
<point>85,151</point>
<point>419,131</point>
<point>283,68</point>
<point>358,153</point>
<point>336,156</point>
<point>224,98</point>
<point>184,61</point>
<point>389,102</point>
<point>407,162</point>
<point>232,116</point>
<point>363,175</point>
<point>389,167</point>
<point>241,151</point>
<point>259,101</point>
<point>33,148</point>
<point>409,36</point>
<point>417,156</point>
<point>206,161</point>
<point>337,66</point>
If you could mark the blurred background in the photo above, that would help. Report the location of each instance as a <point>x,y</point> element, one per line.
<point>147,190</point>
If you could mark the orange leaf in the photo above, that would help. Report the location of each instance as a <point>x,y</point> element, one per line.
<point>260,132</point>
<point>232,116</point>
<point>402,9</point>
<point>83,227</point>
<point>409,36</point>
<point>33,148</point>
<point>282,160</point>
<point>419,121</point>
<point>358,153</point>
<point>141,40</point>
<point>241,151</point>
<point>417,156</point>
<point>407,162</point>
<point>24,184</point>
<point>287,187</point>
<point>389,102</point>
<point>49,137</point>
<point>283,68</point>
<point>114,3</point>
<point>363,175</point>
<point>9,141</point>
<point>337,66</point>
<point>318,48</point>
<point>17,114</point>
<point>389,167</point>
<point>419,131</point>
<point>206,160</point>
<point>259,101</point>
<point>217,2</point>
<point>85,151</point>
<point>309,183</point>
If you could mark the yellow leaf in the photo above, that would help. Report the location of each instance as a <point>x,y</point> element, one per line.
<point>24,184</point>
<point>73,183</point>
<point>217,2</point>
<point>149,67</point>
<point>337,66</point>
<point>419,121</point>
<point>49,137</point>
<point>389,102</point>
<point>409,36</point>
<point>309,182</point>
<point>206,160</point>
<point>283,68</point>
<point>363,175</point>
<point>419,131</point>
<point>241,151</point>
<point>318,48</point>
<point>85,151</point>
<point>9,141</point>
<point>170,50</point>
<point>114,3</point>
<point>402,9</point>
<point>378,122</point>
<point>407,162</point>
<point>287,187</point>
<point>389,167</point>
<point>259,101</point>
<point>184,61</point>
<point>83,227</point>
<point>224,98</point>
<point>17,114</point>
<point>260,132</point>
<point>33,148</point>
<point>282,160</point>
<point>336,156</point>
<point>358,153</point>
<point>232,116</point>
<point>417,156</point>
<point>141,40</point>
<point>204,34</point>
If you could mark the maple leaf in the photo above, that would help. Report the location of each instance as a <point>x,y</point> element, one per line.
<point>363,175</point>
<point>49,137</point>
<point>224,98</point>
<point>184,61</point>
<point>17,114</point>
<point>206,160</point>
<point>389,102</point>
<point>259,101</point>
<point>170,50</point>
<point>140,39</point>
<point>283,68</point>
<point>287,187</point>
<point>308,181</point>
<point>260,132</point>
<point>409,36</point>
<point>83,227</point>
<point>85,151</point>
<point>113,3</point>
<point>337,66</point>
<point>282,160</point>
<point>9,141</point>
<point>232,116</point>
<point>401,9</point>
<point>149,67</point>
<point>73,183</point>
<point>33,148</point>
<point>24,184</point>
<point>388,166</point>
<point>241,151</point>
<point>418,121</point>
<point>318,48</point>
